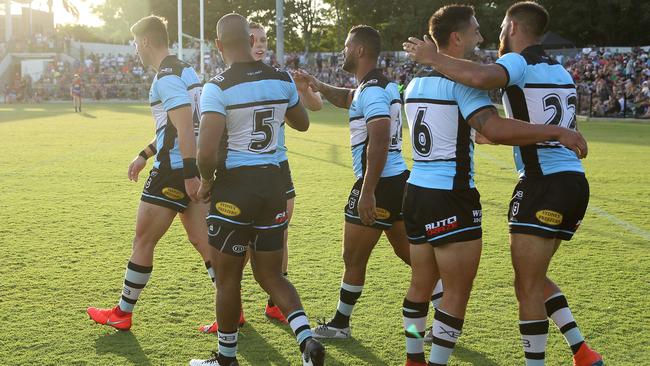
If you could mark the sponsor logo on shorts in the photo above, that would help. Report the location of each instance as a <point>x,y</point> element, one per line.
<point>382,214</point>
<point>238,248</point>
<point>519,194</point>
<point>281,217</point>
<point>441,226</point>
<point>173,193</point>
<point>355,192</point>
<point>549,217</point>
<point>227,208</point>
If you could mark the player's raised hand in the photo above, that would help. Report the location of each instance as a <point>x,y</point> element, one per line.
<point>303,80</point>
<point>367,208</point>
<point>204,190</point>
<point>192,186</point>
<point>421,51</point>
<point>573,140</point>
<point>135,167</point>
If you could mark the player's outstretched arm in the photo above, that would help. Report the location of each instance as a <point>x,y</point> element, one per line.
<point>485,77</point>
<point>297,117</point>
<point>513,132</point>
<point>340,97</point>
<point>212,127</point>
<point>376,154</point>
<point>309,98</point>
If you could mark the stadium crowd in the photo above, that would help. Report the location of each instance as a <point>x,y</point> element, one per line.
<point>617,83</point>
<point>609,84</point>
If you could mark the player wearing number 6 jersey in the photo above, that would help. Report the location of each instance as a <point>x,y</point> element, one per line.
<point>442,208</point>
<point>550,200</point>
<point>173,182</point>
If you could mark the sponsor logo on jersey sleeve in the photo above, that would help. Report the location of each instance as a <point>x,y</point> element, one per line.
<point>173,193</point>
<point>227,208</point>
<point>549,217</point>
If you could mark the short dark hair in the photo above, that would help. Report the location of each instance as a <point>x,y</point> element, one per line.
<point>154,28</point>
<point>531,15</point>
<point>449,19</point>
<point>369,37</point>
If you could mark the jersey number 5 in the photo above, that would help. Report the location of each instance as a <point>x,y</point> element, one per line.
<point>262,130</point>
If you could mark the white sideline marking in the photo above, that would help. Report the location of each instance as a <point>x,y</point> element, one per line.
<point>622,223</point>
<point>595,209</point>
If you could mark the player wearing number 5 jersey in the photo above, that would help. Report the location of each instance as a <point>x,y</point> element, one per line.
<point>241,113</point>
<point>442,208</point>
<point>173,182</point>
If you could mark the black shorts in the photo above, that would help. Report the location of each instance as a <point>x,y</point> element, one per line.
<point>551,206</point>
<point>388,198</point>
<point>249,207</point>
<point>286,178</point>
<point>438,216</point>
<point>166,188</point>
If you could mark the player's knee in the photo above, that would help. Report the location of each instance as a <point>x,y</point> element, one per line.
<point>528,290</point>
<point>403,254</point>
<point>197,241</point>
<point>143,242</point>
<point>420,291</point>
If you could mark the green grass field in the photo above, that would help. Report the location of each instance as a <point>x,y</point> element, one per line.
<point>68,212</point>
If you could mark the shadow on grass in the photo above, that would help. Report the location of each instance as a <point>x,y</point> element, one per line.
<point>473,357</point>
<point>254,348</point>
<point>124,344</point>
<point>353,348</point>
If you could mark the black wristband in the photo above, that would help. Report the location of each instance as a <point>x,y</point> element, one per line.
<point>153,149</point>
<point>190,170</point>
<point>143,154</point>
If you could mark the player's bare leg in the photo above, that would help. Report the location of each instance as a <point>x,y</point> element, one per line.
<point>424,275</point>
<point>358,243</point>
<point>266,268</point>
<point>557,309</point>
<point>272,311</point>
<point>457,264</point>
<point>531,256</point>
<point>151,224</point>
<point>399,241</point>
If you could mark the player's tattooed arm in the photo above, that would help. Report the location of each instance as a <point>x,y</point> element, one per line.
<point>480,118</point>
<point>514,132</point>
<point>340,97</point>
